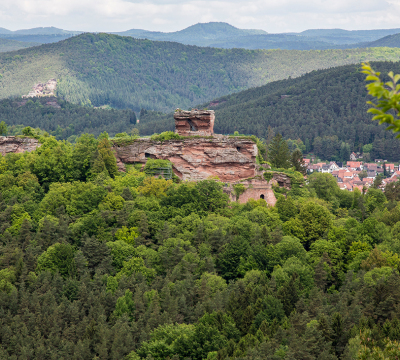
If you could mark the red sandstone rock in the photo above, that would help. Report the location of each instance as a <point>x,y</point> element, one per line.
<point>229,159</point>
<point>12,144</point>
<point>195,122</point>
<point>41,89</point>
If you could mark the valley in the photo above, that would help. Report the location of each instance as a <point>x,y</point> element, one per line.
<point>190,196</point>
<point>131,73</point>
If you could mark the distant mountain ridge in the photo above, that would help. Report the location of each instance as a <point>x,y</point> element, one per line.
<point>195,33</point>
<point>224,35</point>
<point>38,35</point>
<point>340,36</point>
<point>123,72</point>
<point>49,30</point>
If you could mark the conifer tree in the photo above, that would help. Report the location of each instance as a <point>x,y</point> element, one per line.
<point>298,161</point>
<point>278,152</point>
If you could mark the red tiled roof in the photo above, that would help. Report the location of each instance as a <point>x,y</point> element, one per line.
<point>354,164</point>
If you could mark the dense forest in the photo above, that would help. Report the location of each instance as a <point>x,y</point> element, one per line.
<point>62,119</point>
<point>326,109</point>
<point>131,73</point>
<point>96,264</point>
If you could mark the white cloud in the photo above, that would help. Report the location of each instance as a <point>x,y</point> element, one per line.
<point>172,15</point>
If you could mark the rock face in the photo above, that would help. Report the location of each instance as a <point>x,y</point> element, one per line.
<point>229,159</point>
<point>12,144</point>
<point>195,122</point>
<point>41,89</point>
<point>282,180</point>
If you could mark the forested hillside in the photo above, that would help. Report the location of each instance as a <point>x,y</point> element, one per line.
<point>389,41</point>
<point>11,45</point>
<point>223,35</point>
<point>96,264</point>
<point>326,109</point>
<point>37,35</point>
<point>125,72</point>
<point>341,36</point>
<point>63,119</point>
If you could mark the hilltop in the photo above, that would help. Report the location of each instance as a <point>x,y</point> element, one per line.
<point>223,35</point>
<point>326,109</point>
<point>389,41</point>
<point>124,72</point>
<point>39,35</point>
<point>341,37</point>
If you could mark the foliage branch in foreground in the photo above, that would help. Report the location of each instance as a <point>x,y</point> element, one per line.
<point>388,96</point>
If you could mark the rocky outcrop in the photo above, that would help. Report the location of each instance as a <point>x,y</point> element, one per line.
<point>194,122</point>
<point>12,144</point>
<point>228,158</point>
<point>40,89</point>
<point>282,180</point>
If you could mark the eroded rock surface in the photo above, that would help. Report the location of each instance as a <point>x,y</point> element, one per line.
<point>282,180</point>
<point>229,159</point>
<point>43,89</point>
<point>12,144</point>
<point>194,122</point>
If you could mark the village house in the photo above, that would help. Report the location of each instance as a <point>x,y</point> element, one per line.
<point>325,168</point>
<point>354,165</point>
<point>333,166</point>
<point>312,168</point>
<point>371,174</point>
<point>389,168</point>
<point>354,156</point>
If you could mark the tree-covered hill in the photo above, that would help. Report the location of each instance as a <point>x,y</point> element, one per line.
<point>341,36</point>
<point>223,35</point>
<point>130,73</point>
<point>326,109</point>
<point>11,45</point>
<point>198,34</point>
<point>63,119</point>
<point>97,264</point>
<point>388,41</point>
<point>37,35</point>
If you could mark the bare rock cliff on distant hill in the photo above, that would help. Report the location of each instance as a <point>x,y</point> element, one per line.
<point>43,89</point>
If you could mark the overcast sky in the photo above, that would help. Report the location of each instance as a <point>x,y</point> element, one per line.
<point>171,15</point>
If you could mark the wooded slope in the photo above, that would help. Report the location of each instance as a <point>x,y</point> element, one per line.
<point>323,108</point>
<point>125,72</point>
<point>63,119</point>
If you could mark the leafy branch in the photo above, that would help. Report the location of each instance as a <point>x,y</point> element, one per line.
<point>388,96</point>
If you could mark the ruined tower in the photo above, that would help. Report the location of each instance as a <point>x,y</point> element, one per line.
<point>194,122</point>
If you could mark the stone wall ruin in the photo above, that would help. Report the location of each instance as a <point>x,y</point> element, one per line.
<point>194,122</point>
